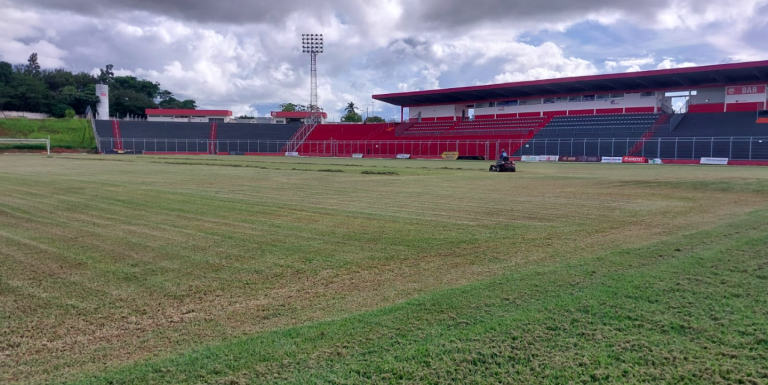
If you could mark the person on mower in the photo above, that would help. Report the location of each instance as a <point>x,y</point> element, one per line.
<point>503,154</point>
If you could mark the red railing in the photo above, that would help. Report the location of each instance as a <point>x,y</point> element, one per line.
<point>640,144</point>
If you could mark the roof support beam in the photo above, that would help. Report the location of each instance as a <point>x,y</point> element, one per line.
<point>683,81</point>
<point>720,78</point>
<point>760,75</point>
<point>610,85</point>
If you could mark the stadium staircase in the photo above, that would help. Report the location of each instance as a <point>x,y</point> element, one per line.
<point>405,126</point>
<point>379,131</point>
<point>212,142</point>
<point>118,142</point>
<point>637,148</point>
<point>303,133</point>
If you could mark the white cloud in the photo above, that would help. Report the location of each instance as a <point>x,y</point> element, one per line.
<point>250,58</point>
<point>637,62</point>
<point>671,63</point>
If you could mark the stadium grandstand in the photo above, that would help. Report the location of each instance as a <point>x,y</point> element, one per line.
<point>678,115</point>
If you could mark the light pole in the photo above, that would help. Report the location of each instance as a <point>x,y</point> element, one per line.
<point>312,44</point>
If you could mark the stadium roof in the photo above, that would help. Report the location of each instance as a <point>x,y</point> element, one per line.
<point>678,78</point>
<point>176,111</point>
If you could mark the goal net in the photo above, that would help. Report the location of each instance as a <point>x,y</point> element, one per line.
<point>42,142</point>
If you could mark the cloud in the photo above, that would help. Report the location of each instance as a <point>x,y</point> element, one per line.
<point>671,63</point>
<point>245,55</point>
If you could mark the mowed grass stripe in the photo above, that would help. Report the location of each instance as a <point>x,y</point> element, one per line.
<point>153,259</point>
<point>687,310</point>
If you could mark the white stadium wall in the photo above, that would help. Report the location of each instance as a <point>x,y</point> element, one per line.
<point>729,99</point>
<point>629,103</point>
<point>717,99</point>
<point>433,112</point>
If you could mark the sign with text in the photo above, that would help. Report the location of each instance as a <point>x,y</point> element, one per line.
<point>359,156</point>
<point>745,90</point>
<point>655,161</point>
<point>291,154</point>
<point>580,159</point>
<point>718,161</point>
<point>450,155</point>
<point>529,159</point>
<point>548,158</point>
<point>634,159</point>
<point>612,159</point>
<point>403,156</point>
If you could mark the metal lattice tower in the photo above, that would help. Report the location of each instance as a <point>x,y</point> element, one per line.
<point>312,44</point>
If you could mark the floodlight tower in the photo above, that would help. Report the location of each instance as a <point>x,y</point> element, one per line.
<point>312,44</point>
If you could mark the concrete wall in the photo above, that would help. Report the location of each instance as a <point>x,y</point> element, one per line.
<point>435,111</point>
<point>630,100</point>
<point>193,119</point>
<point>709,96</point>
<point>21,114</point>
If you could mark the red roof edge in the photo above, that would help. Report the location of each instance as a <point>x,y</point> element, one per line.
<point>674,71</point>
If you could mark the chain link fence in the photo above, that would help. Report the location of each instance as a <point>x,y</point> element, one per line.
<point>736,148</point>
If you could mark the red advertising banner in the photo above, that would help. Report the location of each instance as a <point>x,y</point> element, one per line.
<point>745,90</point>
<point>634,159</point>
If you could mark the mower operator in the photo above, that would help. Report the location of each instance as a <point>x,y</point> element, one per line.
<point>503,154</point>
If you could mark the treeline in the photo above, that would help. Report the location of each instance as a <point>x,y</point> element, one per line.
<point>61,93</point>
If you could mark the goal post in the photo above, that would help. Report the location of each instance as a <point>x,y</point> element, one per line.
<point>12,141</point>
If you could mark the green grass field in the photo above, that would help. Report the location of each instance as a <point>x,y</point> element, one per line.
<point>251,270</point>
<point>64,133</point>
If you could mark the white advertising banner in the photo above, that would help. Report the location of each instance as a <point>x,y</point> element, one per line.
<point>403,156</point>
<point>359,156</point>
<point>612,159</point>
<point>530,159</point>
<point>655,161</point>
<point>291,154</point>
<point>548,158</point>
<point>720,161</point>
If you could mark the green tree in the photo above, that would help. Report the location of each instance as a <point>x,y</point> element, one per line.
<point>6,75</point>
<point>352,117</point>
<point>375,119</point>
<point>189,104</point>
<point>69,114</point>
<point>106,75</point>
<point>172,102</point>
<point>60,110</point>
<point>351,108</point>
<point>58,79</point>
<point>163,96</point>
<point>83,80</point>
<point>33,67</point>
<point>125,102</point>
<point>288,107</point>
<point>131,83</point>
<point>28,93</point>
<point>6,72</point>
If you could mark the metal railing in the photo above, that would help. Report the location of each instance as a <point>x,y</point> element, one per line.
<point>736,148</point>
<point>303,133</point>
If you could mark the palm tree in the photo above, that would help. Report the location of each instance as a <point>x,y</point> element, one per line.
<point>351,108</point>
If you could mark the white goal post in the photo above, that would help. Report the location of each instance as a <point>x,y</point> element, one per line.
<point>28,141</point>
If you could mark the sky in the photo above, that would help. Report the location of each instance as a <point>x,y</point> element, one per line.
<point>245,55</point>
